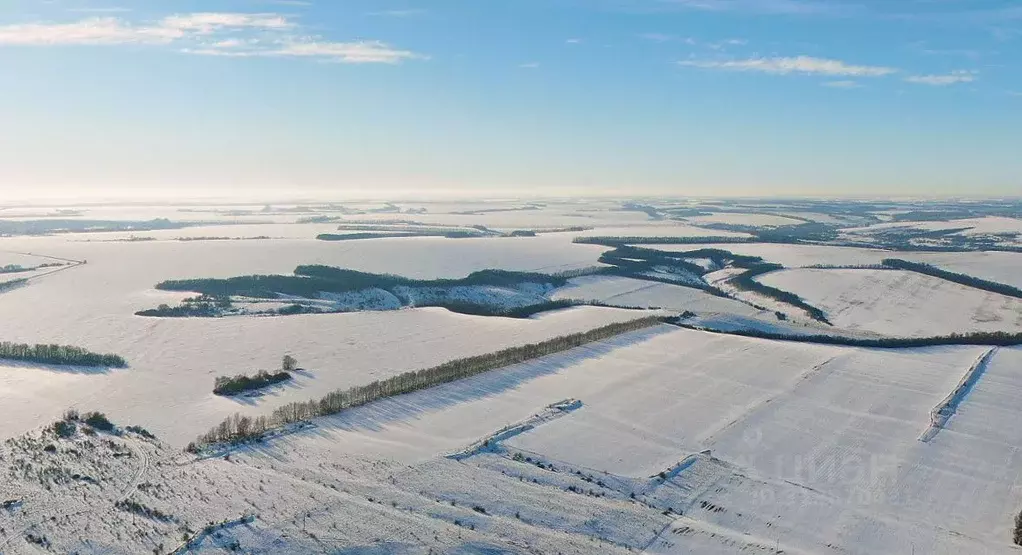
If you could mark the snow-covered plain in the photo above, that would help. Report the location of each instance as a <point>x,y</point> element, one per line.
<point>677,441</point>
<point>739,218</point>
<point>623,291</point>
<point>168,387</point>
<point>898,303</point>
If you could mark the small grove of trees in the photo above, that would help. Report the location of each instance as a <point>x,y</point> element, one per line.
<point>66,355</point>
<point>1016,536</point>
<point>240,428</point>
<point>233,385</point>
<point>68,424</point>
<point>205,306</point>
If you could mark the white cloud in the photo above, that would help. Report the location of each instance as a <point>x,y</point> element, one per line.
<point>208,22</point>
<point>953,78</point>
<point>209,34</point>
<point>799,64</point>
<point>844,84</point>
<point>361,52</point>
<point>529,65</point>
<point>573,41</point>
<point>96,31</point>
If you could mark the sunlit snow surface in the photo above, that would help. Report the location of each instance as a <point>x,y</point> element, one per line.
<point>678,441</point>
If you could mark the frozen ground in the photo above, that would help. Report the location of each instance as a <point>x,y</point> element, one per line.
<point>898,303</point>
<point>665,440</point>
<point>623,291</point>
<point>738,218</point>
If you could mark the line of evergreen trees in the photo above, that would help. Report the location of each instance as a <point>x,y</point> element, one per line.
<point>962,279</point>
<point>989,339</point>
<point>239,428</point>
<point>64,355</point>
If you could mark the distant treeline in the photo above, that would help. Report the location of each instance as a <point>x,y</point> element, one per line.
<point>233,385</point>
<point>637,259</point>
<point>309,281</point>
<point>622,241</point>
<point>240,428</point>
<point>452,234</point>
<point>64,355</point>
<point>202,306</point>
<point>362,235</point>
<point>476,309</point>
<point>961,279</point>
<point>990,339</point>
<point>746,282</point>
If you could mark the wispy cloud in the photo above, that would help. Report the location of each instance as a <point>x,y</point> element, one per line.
<point>573,41</point>
<point>942,80</point>
<point>209,22</point>
<point>92,31</point>
<point>363,52</point>
<point>806,65</point>
<point>844,84</point>
<point>662,37</point>
<point>208,33</point>
<point>529,65</point>
<point>360,52</point>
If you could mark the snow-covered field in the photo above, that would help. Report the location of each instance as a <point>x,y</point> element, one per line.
<point>897,303</point>
<point>623,291</point>
<point>738,218</point>
<point>793,256</point>
<point>664,440</point>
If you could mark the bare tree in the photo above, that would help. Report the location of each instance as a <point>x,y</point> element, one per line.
<point>288,363</point>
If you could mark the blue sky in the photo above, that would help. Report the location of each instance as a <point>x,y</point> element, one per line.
<point>682,97</point>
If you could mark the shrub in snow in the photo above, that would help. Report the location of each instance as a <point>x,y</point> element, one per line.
<point>64,428</point>
<point>1017,535</point>
<point>99,421</point>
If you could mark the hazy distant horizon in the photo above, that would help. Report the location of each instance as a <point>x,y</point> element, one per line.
<point>283,196</point>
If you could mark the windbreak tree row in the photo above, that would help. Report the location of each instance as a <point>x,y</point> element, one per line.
<point>239,428</point>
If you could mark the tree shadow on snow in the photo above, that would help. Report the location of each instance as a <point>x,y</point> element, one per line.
<point>58,368</point>
<point>376,415</point>
<point>299,379</point>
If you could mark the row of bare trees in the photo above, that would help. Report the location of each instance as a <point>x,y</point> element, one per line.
<point>239,428</point>
<point>58,354</point>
